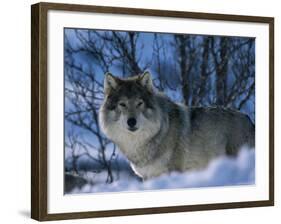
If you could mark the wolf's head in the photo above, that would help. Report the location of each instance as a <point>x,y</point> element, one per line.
<point>130,108</point>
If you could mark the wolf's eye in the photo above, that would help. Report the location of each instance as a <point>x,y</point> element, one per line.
<point>122,104</point>
<point>139,103</point>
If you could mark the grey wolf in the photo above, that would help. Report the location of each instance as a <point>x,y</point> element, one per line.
<point>158,135</point>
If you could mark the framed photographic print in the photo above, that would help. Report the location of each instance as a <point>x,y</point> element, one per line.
<point>139,111</point>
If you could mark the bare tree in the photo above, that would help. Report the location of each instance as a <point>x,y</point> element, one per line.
<point>71,144</point>
<point>242,89</point>
<point>185,54</point>
<point>220,51</point>
<point>84,95</point>
<point>160,58</point>
<point>201,90</point>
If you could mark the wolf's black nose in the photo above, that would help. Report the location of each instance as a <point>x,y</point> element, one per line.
<point>131,122</point>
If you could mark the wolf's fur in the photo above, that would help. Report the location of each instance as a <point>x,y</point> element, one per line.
<point>168,136</point>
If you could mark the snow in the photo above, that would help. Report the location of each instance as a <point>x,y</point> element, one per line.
<point>222,171</point>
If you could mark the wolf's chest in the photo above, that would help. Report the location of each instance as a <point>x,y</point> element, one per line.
<point>153,168</point>
<point>149,171</point>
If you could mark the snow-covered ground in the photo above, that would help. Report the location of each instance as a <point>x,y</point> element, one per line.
<point>223,171</point>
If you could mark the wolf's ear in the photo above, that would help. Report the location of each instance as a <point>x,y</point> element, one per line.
<point>146,81</point>
<point>110,83</point>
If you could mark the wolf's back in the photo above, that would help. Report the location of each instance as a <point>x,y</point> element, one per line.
<point>219,127</point>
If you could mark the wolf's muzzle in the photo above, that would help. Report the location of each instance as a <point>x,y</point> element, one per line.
<point>132,122</point>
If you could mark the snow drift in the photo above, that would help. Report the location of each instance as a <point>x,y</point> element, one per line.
<point>223,171</point>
